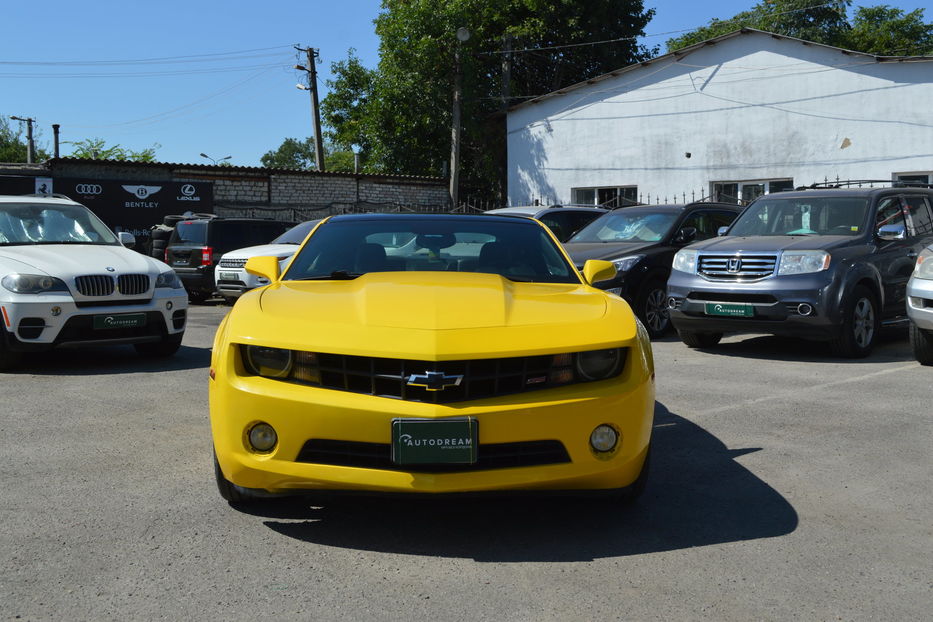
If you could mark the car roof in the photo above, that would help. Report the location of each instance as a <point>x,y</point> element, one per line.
<point>679,207</point>
<point>37,198</point>
<point>848,191</point>
<point>428,216</point>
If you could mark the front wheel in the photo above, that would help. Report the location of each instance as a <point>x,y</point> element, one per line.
<point>651,307</point>
<point>233,494</point>
<point>699,340</point>
<point>922,343</point>
<point>860,325</point>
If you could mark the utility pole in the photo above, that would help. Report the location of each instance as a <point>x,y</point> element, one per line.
<point>506,72</point>
<point>30,145</point>
<point>55,129</point>
<point>315,109</point>
<point>463,34</point>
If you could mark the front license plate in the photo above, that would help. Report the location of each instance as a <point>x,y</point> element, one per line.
<point>434,441</point>
<point>730,309</point>
<point>122,320</point>
<point>229,276</point>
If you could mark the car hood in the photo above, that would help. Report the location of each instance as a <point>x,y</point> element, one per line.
<point>580,252</point>
<point>430,315</point>
<point>263,250</point>
<point>64,260</point>
<point>772,243</point>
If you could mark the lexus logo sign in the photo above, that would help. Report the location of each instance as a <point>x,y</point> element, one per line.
<point>188,190</point>
<point>88,188</point>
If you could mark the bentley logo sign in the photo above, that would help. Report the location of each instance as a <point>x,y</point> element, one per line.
<point>434,380</point>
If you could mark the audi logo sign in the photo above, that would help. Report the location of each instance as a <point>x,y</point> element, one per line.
<point>88,188</point>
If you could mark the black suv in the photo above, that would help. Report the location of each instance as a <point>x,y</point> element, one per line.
<point>641,242</point>
<point>196,245</point>
<point>825,263</point>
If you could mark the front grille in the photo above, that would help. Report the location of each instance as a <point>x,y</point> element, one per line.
<point>379,456</point>
<point>133,284</point>
<point>232,263</point>
<point>732,297</point>
<point>736,267</point>
<point>463,380</point>
<point>94,285</point>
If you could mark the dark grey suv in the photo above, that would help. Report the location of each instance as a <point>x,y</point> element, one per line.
<point>829,264</point>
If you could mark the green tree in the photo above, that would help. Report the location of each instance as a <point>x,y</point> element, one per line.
<point>97,149</point>
<point>804,19</point>
<point>292,153</point>
<point>888,31</point>
<point>400,113</point>
<point>13,143</point>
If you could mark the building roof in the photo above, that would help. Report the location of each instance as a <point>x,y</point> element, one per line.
<point>682,52</point>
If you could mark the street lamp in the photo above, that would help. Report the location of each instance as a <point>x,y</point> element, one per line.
<point>215,161</point>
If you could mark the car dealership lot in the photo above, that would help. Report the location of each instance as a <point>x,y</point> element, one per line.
<point>785,483</point>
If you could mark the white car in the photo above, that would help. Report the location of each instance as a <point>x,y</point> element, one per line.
<point>66,280</point>
<point>231,278</point>
<point>920,307</point>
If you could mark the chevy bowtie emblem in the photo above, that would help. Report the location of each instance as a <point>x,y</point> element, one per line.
<point>434,380</point>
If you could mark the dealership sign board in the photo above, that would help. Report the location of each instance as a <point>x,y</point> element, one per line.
<point>123,205</point>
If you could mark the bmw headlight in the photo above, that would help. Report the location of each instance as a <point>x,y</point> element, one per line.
<point>168,279</point>
<point>598,364</point>
<point>803,262</point>
<point>685,261</point>
<point>33,284</point>
<point>624,264</point>
<point>268,362</point>
<point>924,267</point>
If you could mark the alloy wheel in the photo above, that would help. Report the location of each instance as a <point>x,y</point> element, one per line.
<point>863,325</point>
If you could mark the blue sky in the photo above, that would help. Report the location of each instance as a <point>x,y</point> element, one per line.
<point>224,83</point>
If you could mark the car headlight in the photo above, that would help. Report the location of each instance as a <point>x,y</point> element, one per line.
<point>33,284</point>
<point>624,264</point>
<point>268,362</point>
<point>168,279</point>
<point>685,261</point>
<point>924,267</point>
<point>803,262</point>
<point>598,364</point>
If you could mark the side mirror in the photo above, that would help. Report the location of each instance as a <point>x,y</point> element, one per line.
<point>685,235</point>
<point>722,230</point>
<point>267,267</point>
<point>126,239</point>
<point>596,270</point>
<point>892,232</point>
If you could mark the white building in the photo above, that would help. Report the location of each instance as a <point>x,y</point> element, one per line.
<point>746,113</point>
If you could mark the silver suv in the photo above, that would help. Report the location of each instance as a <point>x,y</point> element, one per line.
<point>920,307</point>
<point>830,264</point>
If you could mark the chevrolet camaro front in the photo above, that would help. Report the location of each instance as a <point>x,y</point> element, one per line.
<point>430,354</point>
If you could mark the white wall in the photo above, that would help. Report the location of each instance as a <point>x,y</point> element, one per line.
<point>749,107</point>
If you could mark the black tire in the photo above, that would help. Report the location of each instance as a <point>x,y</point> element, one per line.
<point>861,324</point>
<point>197,297</point>
<point>699,340</point>
<point>160,349</point>
<point>922,343</point>
<point>233,494</point>
<point>651,308</point>
<point>9,360</point>
<point>159,233</point>
<point>630,495</point>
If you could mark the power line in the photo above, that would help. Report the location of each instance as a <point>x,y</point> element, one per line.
<point>163,59</point>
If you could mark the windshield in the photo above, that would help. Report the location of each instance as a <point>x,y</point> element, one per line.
<point>628,225</point>
<point>515,249</point>
<point>803,216</point>
<point>32,223</point>
<point>297,234</point>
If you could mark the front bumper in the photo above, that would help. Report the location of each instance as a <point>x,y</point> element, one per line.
<point>565,416</point>
<point>920,302</point>
<point>234,282</point>
<point>43,322</point>
<point>806,305</point>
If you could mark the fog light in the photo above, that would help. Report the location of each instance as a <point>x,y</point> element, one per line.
<point>169,305</point>
<point>604,438</point>
<point>671,303</point>
<point>262,437</point>
<point>804,309</point>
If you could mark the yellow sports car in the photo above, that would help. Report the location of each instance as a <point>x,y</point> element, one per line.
<point>436,354</point>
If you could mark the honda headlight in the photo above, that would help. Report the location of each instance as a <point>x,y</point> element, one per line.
<point>168,279</point>
<point>33,284</point>
<point>268,362</point>
<point>685,261</point>
<point>924,267</point>
<point>803,262</point>
<point>624,264</point>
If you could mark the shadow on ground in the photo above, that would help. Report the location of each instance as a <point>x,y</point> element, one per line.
<point>109,360</point>
<point>697,495</point>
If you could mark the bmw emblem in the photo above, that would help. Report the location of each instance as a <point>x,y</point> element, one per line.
<point>111,269</point>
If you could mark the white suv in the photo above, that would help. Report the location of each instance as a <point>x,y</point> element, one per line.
<point>66,279</point>
<point>230,275</point>
<point>920,307</point>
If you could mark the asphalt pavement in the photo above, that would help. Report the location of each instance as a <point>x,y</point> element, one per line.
<point>785,484</point>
